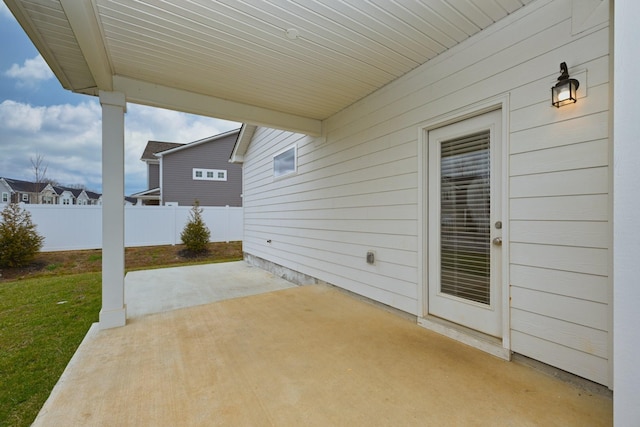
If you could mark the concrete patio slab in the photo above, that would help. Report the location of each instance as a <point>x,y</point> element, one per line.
<point>166,289</point>
<point>312,356</point>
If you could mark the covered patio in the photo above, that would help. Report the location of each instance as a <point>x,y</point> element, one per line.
<point>300,355</point>
<point>345,74</point>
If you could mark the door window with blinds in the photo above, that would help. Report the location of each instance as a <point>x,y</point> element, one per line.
<point>464,223</point>
<point>465,217</point>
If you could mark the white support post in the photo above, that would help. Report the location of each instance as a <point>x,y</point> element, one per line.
<point>626,232</point>
<point>113,313</point>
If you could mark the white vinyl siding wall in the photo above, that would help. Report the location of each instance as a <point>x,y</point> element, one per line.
<point>358,189</point>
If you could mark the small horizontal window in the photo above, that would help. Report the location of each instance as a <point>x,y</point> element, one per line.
<point>284,163</point>
<point>210,174</point>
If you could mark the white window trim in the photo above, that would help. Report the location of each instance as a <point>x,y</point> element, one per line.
<point>25,197</point>
<point>294,171</point>
<point>204,172</point>
<point>5,197</point>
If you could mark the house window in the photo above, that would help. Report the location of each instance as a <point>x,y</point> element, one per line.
<point>284,163</point>
<point>5,197</point>
<point>210,174</point>
<point>25,197</point>
<point>65,201</point>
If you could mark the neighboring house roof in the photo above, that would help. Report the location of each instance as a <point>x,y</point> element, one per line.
<point>154,147</point>
<point>20,186</point>
<point>60,190</point>
<point>195,143</point>
<point>50,188</point>
<point>93,195</point>
<point>75,191</point>
<point>152,193</point>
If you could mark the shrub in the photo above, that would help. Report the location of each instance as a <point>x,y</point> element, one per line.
<point>19,240</point>
<point>195,234</point>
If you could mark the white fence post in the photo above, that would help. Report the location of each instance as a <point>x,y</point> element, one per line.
<point>228,224</point>
<point>174,211</point>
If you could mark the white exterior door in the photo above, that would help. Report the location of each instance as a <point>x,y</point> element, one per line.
<point>464,224</point>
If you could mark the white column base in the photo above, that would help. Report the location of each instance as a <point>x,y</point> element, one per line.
<point>113,318</point>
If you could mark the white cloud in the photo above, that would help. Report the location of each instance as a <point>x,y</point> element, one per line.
<point>67,136</point>
<point>32,72</point>
<point>20,117</point>
<point>173,126</point>
<point>69,139</point>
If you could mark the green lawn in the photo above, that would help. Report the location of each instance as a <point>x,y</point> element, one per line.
<point>42,322</point>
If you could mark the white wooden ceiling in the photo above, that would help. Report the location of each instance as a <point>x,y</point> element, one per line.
<point>267,62</point>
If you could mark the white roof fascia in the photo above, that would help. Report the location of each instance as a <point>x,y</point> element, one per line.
<point>155,95</point>
<point>195,143</point>
<point>242,144</point>
<point>84,22</point>
<point>145,192</point>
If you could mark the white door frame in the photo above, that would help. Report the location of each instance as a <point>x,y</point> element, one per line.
<point>498,347</point>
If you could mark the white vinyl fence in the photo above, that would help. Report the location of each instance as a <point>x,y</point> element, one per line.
<point>73,227</point>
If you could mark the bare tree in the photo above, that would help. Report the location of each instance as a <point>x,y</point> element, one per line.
<point>78,186</point>
<point>39,168</point>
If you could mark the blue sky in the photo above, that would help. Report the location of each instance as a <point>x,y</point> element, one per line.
<point>39,117</point>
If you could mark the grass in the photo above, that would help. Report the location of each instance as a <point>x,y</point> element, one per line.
<point>42,322</point>
<point>95,257</point>
<point>74,262</point>
<point>47,308</point>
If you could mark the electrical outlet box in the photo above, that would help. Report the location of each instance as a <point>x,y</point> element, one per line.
<point>371,257</point>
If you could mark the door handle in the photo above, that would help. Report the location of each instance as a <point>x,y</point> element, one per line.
<point>497,241</point>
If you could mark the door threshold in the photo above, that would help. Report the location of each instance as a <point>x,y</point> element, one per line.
<point>486,343</point>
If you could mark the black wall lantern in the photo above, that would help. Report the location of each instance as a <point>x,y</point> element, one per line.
<point>564,92</point>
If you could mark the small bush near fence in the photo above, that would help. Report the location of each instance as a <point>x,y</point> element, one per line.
<point>19,240</point>
<point>195,234</point>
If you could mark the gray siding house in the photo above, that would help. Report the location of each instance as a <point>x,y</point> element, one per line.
<point>200,170</point>
<point>151,196</point>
